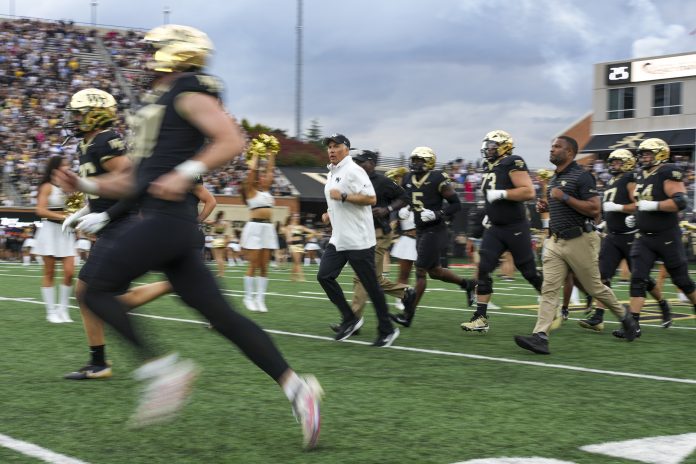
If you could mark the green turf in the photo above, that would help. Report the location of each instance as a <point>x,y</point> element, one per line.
<point>382,405</point>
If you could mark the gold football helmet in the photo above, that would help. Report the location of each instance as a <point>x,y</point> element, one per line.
<point>422,153</point>
<point>628,161</point>
<point>98,109</point>
<point>659,149</point>
<point>503,141</point>
<point>178,48</point>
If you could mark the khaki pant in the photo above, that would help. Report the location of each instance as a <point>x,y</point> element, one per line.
<point>389,287</point>
<point>581,256</point>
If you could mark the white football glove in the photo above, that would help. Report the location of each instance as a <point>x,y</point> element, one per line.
<point>495,195</point>
<point>93,223</point>
<point>600,227</point>
<point>646,205</point>
<point>71,221</point>
<point>485,222</point>
<point>630,221</point>
<point>610,206</point>
<point>428,215</point>
<point>404,213</point>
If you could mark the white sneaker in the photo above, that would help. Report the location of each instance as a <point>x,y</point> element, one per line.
<point>261,306</point>
<point>250,304</point>
<point>53,317</point>
<point>167,388</point>
<point>306,408</point>
<point>63,314</point>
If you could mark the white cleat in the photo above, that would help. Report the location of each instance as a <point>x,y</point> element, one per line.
<point>63,314</point>
<point>306,408</point>
<point>168,384</point>
<point>250,304</point>
<point>261,306</point>
<point>53,317</point>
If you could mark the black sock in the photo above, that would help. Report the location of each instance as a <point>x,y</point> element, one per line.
<point>98,355</point>
<point>481,309</point>
<point>599,313</point>
<point>589,301</point>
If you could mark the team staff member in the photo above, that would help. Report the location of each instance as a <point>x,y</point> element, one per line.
<point>618,204</point>
<point>349,196</point>
<point>428,189</point>
<point>390,197</point>
<point>661,195</point>
<point>181,133</point>
<point>506,186</point>
<point>573,244</point>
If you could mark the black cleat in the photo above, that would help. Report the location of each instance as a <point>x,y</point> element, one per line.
<point>349,328</point>
<point>469,286</point>
<point>533,343</point>
<point>592,322</point>
<point>630,329</point>
<point>409,301</point>
<point>402,319</point>
<point>666,314</point>
<point>387,340</point>
<point>337,327</point>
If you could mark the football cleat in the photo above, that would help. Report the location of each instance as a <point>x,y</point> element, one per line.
<point>306,409</point>
<point>533,343</point>
<point>666,314</point>
<point>593,322</point>
<point>478,323</point>
<point>90,371</point>
<point>168,383</point>
<point>349,328</point>
<point>621,333</point>
<point>402,319</point>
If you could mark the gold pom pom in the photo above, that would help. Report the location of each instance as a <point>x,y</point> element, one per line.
<point>544,174</point>
<point>74,202</point>
<point>262,146</point>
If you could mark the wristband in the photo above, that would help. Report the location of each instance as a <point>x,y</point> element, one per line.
<point>87,186</point>
<point>565,198</point>
<point>191,168</point>
<point>344,196</point>
<point>390,208</point>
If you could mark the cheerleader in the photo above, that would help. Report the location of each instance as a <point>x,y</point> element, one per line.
<point>234,250</point>
<point>259,234</point>
<point>405,247</point>
<point>311,248</point>
<point>294,236</point>
<point>219,242</point>
<point>52,244</point>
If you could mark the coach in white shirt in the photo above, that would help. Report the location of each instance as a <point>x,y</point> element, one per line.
<point>350,195</point>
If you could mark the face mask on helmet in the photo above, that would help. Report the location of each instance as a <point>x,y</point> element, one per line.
<point>89,110</point>
<point>652,152</point>
<point>621,160</point>
<point>497,143</point>
<point>422,160</point>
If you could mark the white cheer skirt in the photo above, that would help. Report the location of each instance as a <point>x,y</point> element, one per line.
<point>259,236</point>
<point>29,243</point>
<point>405,248</point>
<point>310,246</point>
<point>234,246</point>
<point>51,241</point>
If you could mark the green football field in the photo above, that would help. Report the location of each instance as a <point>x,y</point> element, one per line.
<point>439,395</point>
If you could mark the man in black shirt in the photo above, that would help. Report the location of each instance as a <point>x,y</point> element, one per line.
<point>429,189</point>
<point>506,186</point>
<point>573,244</point>
<point>616,245</point>
<point>390,197</point>
<point>660,195</point>
<point>180,134</point>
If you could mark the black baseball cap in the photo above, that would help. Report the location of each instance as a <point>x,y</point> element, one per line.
<point>337,138</point>
<point>366,155</point>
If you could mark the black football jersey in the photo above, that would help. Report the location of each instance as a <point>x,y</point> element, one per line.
<point>103,147</point>
<point>617,192</point>
<point>162,139</point>
<point>650,186</point>
<point>497,177</point>
<point>425,192</point>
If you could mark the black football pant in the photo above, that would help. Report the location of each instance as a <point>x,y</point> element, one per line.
<point>171,244</point>
<point>363,263</point>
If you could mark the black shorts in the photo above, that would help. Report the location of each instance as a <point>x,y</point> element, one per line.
<point>517,238</point>
<point>431,243</point>
<point>106,240</point>
<point>615,247</point>
<point>666,246</point>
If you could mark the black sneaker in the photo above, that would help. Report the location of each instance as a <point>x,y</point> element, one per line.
<point>592,322</point>
<point>533,343</point>
<point>565,313</point>
<point>630,330</point>
<point>666,314</point>
<point>469,286</point>
<point>337,327</point>
<point>387,340</point>
<point>349,328</point>
<point>90,371</point>
<point>402,318</point>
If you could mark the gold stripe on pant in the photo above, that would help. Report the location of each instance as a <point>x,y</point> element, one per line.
<point>391,288</point>
<point>580,256</point>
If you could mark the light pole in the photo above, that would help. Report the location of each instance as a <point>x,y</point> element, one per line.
<point>298,74</point>
<point>165,13</point>
<point>94,12</point>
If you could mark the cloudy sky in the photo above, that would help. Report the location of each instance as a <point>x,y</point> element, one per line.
<point>396,74</point>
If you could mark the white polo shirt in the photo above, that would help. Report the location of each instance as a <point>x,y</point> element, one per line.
<point>351,224</point>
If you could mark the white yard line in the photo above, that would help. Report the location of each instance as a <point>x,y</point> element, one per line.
<point>35,451</point>
<point>428,351</point>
